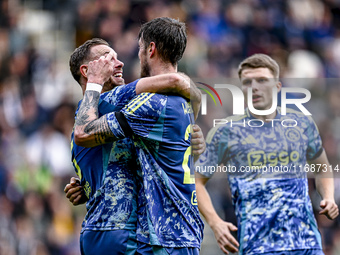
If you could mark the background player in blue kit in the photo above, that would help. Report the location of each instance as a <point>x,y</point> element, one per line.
<point>273,209</point>
<point>169,222</point>
<point>108,172</point>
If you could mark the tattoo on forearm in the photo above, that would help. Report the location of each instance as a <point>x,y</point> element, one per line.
<point>87,107</point>
<point>87,119</point>
<point>101,131</point>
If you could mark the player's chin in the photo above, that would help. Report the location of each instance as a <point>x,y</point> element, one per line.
<point>260,106</point>
<point>118,81</point>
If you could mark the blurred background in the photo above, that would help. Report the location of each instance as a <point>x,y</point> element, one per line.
<point>38,95</point>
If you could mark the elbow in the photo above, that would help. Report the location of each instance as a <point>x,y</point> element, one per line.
<point>175,80</point>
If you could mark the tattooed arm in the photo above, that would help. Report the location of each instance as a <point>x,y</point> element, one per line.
<point>88,127</point>
<point>89,130</point>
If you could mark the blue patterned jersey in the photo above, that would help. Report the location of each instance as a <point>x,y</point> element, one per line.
<point>108,173</point>
<point>268,185</point>
<point>168,213</point>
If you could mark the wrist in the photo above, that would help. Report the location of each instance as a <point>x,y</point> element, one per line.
<point>94,87</point>
<point>328,199</point>
<point>213,222</point>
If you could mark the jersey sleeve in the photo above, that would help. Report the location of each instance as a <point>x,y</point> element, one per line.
<point>216,149</point>
<point>121,95</point>
<point>315,148</point>
<point>144,115</point>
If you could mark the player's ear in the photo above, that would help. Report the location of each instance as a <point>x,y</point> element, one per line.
<point>278,86</point>
<point>152,49</point>
<point>83,70</point>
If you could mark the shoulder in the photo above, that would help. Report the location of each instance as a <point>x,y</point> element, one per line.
<point>129,88</point>
<point>291,112</point>
<point>297,115</point>
<point>147,105</point>
<point>148,97</point>
<point>223,127</point>
<point>237,117</point>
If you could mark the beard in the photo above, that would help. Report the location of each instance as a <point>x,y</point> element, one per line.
<point>111,84</point>
<point>145,70</point>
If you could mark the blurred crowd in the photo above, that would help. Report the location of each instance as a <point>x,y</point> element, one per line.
<point>38,95</point>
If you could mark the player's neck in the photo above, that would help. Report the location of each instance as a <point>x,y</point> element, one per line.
<point>162,68</point>
<point>265,118</point>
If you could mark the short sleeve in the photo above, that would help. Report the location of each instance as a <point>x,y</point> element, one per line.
<point>315,148</point>
<point>121,95</point>
<point>145,115</point>
<point>115,125</point>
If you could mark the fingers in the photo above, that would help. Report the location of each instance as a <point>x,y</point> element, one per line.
<point>73,192</point>
<point>196,128</point>
<point>323,204</point>
<point>225,239</point>
<point>196,138</point>
<point>226,244</point>
<point>197,152</point>
<point>77,200</point>
<point>197,142</point>
<point>197,146</point>
<point>232,227</point>
<point>104,60</point>
<point>197,132</point>
<point>99,71</point>
<point>74,181</point>
<point>68,187</point>
<point>330,209</point>
<point>333,214</point>
<point>223,249</point>
<point>326,205</point>
<point>231,244</point>
<point>75,195</point>
<point>329,214</point>
<point>109,56</point>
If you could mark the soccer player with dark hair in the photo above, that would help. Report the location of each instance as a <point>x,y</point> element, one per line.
<point>161,127</point>
<point>273,208</point>
<point>108,173</point>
